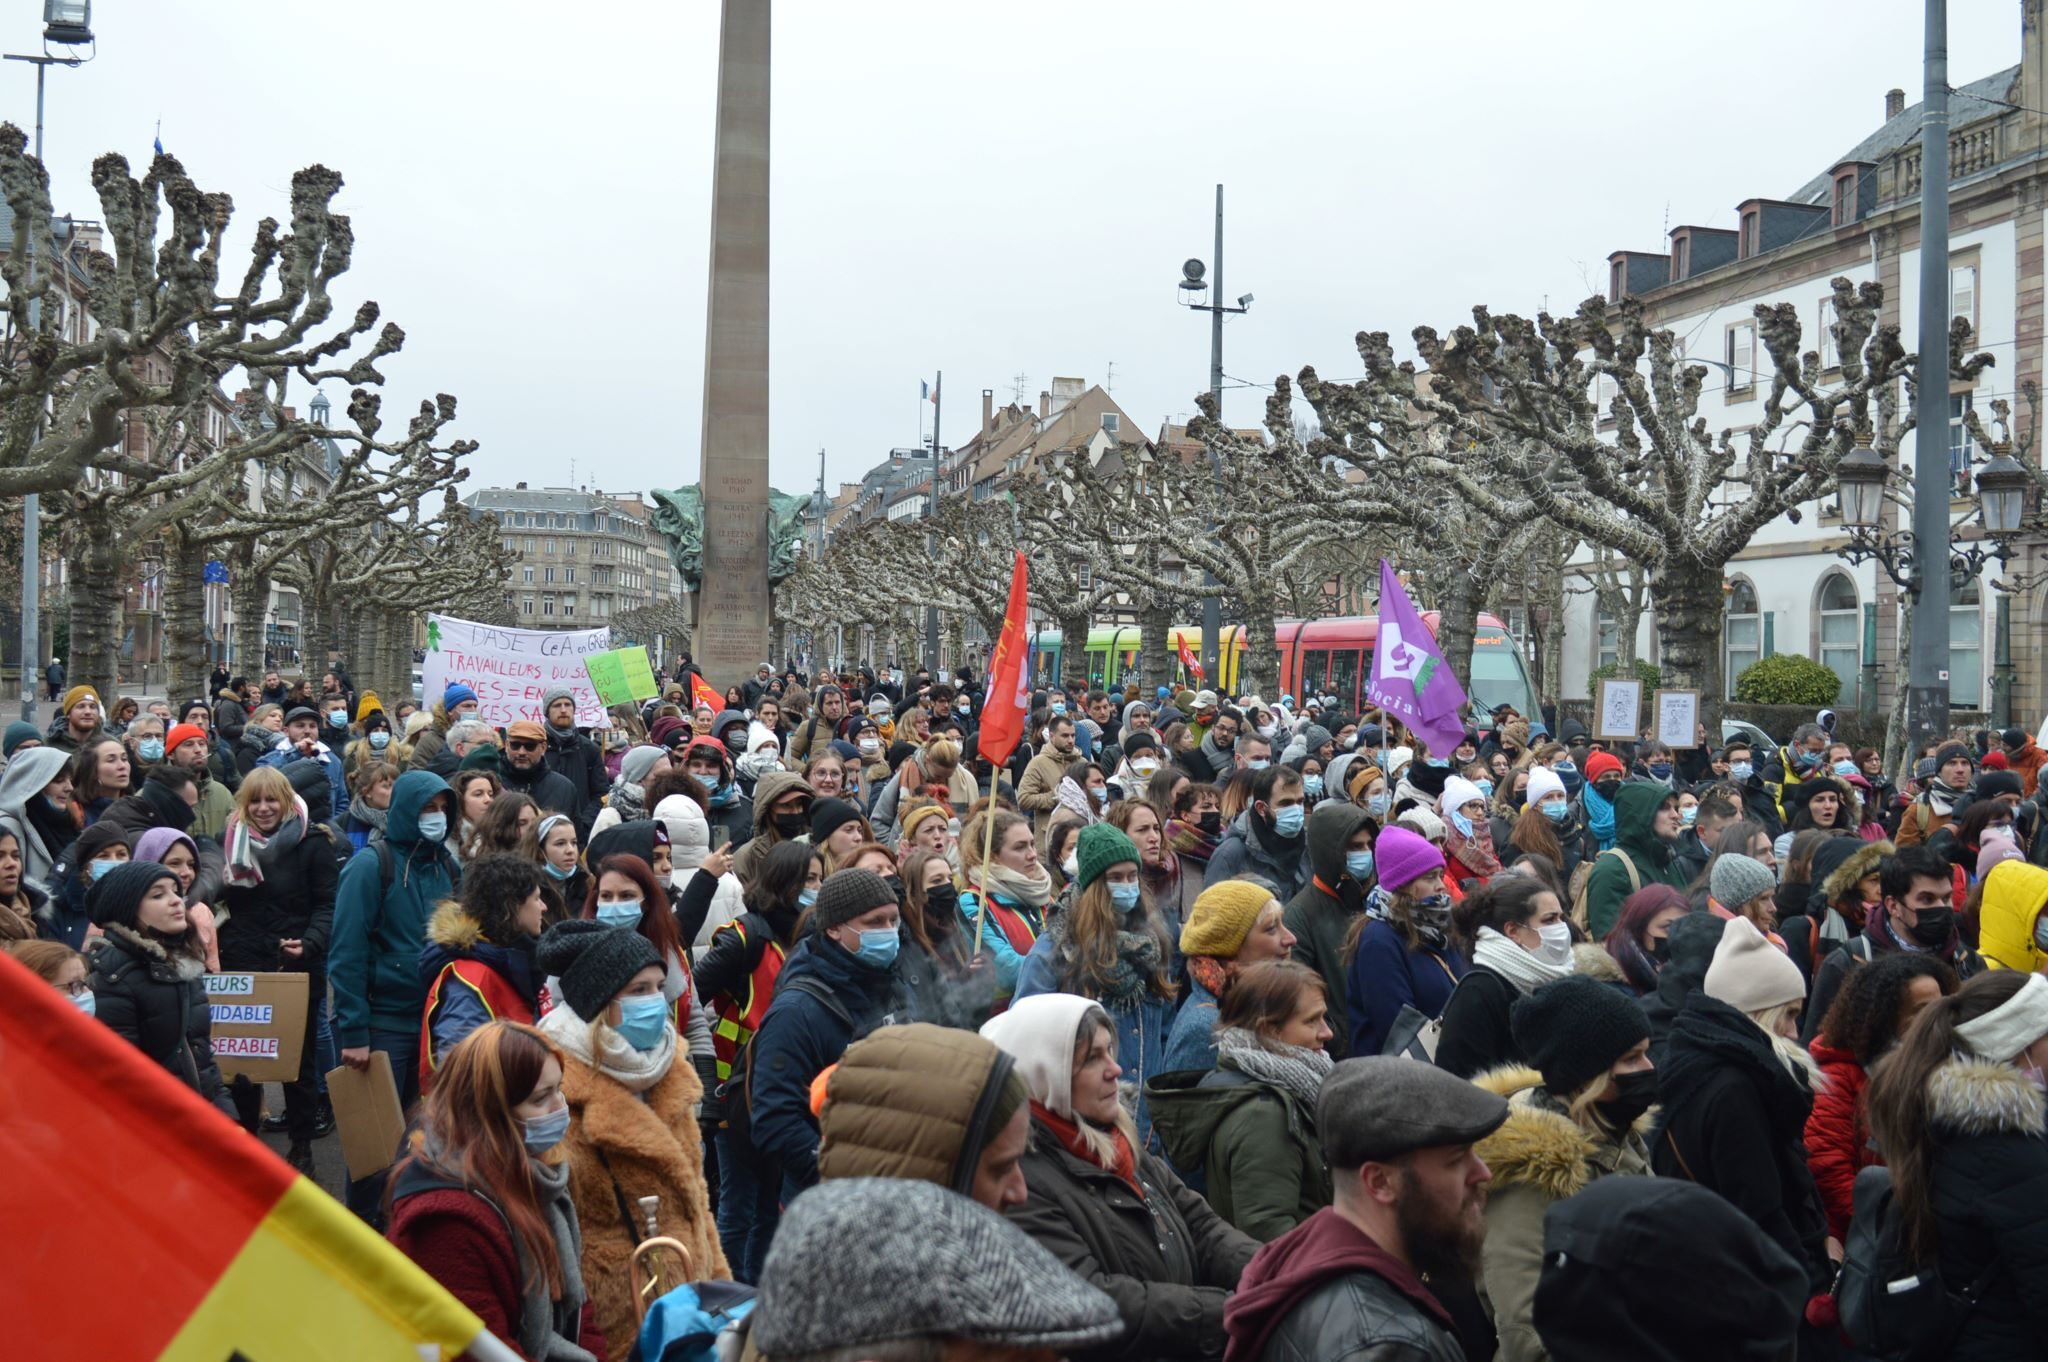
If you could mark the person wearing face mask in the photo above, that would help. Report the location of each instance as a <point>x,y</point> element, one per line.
<point>1604,777</point>
<point>1266,839</point>
<point>1803,759</point>
<point>730,813</point>
<point>1340,852</point>
<point>1579,1112</point>
<point>1645,836</point>
<point>1654,762</point>
<point>479,1208</point>
<point>1109,944</point>
<point>632,1096</point>
<point>1520,942</point>
<point>479,956</point>
<point>551,846</point>
<point>1196,825</point>
<point>1550,825</point>
<point>148,978</point>
<point>782,813</point>
<point>1235,925</point>
<point>1917,917</point>
<point>1401,949</point>
<point>98,850</point>
<point>1958,1110</point>
<point>835,988</point>
<point>377,745</point>
<point>1141,759</point>
<point>1468,838</point>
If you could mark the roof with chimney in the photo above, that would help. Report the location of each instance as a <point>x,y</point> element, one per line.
<point>1966,104</point>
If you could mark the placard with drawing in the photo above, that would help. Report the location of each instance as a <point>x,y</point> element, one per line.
<point>1678,719</point>
<point>1620,712</point>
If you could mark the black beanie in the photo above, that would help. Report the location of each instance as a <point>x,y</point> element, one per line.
<point>116,896</point>
<point>594,961</point>
<point>847,894</point>
<point>1574,1028</point>
<point>1991,784</point>
<point>830,815</point>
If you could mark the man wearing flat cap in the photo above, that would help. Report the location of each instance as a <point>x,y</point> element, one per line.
<point>1363,1277</point>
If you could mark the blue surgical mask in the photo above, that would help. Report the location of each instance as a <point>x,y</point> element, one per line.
<point>1287,822</point>
<point>1807,760</point>
<point>878,946</point>
<point>1378,805</point>
<point>1259,765</point>
<point>1124,896</point>
<point>1846,768</point>
<point>557,872</point>
<point>806,896</point>
<point>1740,770</point>
<point>1688,815</point>
<point>1312,786</point>
<point>543,1133</point>
<point>620,913</point>
<point>99,869</point>
<point>379,740</point>
<point>1485,788</point>
<point>150,749</point>
<point>433,826</point>
<point>1437,761</point>
<point>1100,794</point>
<point>642,1020</point>
<point>1556,810</point>
<point>85,1002</point>
<point>1461,823</point>
<point>337,718</point>
<point>1358,865</point>
<point>1058,707</point>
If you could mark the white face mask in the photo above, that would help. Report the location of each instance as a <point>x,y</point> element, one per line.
<point>1556,948</point>
<point>1071,866</point>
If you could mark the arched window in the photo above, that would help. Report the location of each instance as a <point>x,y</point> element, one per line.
<point>1841,619</point>
<point>1742,632</point>
<point>1966,647</point>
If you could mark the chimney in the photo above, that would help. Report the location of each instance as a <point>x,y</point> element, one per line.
<point>1044,404</point>
<point>520,488</point>
<point>988,411</point>
<point>1894,104</point>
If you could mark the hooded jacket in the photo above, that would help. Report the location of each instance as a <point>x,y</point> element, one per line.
<point>1255,1143</point>
<point>1635,812</point>
<point>2013,894</point>
<point>470,980</point>
<point>24,779</point>
<point>1321,913</point>
<point>1246,850</point>
<point>1540,1156</point>
<point>773,785</point>
<point>1990,1180</point>
<point>701,909</point>
<point>1325,1292</point>
<point>379,929</point>
<point>913,1101</point>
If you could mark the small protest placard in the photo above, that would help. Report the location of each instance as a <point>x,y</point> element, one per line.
<point>621,676</point>
<point>259,1024</point>
<point>1621,709</point>
<point>367,1114</point>
<point>1678,719</point>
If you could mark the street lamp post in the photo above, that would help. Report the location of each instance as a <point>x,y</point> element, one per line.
<point>1193,288</point>
<point>68,23</point>
<point>1927,660</point>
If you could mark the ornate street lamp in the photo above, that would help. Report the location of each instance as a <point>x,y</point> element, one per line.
<point>1862,477</point>
<point>2002,488</point>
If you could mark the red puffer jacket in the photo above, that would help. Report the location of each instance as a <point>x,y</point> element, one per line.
<point>1837,1136</point>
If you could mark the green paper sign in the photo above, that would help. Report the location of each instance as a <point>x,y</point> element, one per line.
<point>621,676</point>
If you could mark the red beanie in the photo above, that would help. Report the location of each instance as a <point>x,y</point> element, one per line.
<point>1994,760</point>
<point>1603,763</point>
<point>181,734</point>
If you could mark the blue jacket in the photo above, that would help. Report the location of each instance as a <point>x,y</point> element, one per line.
<point>798,1038</point>
<point>1142,1024</point>
<point>1191,1044</point>
<point>337,776</point>
<point>379,933</point>
<point>1385,974</point>
<point>1008,963</point>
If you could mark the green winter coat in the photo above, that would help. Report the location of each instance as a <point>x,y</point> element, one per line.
<point>1255,1143</point>
<point>210,816</point>
<point>1635,810</point>
<point>1319,920</point>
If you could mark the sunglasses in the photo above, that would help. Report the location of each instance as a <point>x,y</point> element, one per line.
<point>523,745</point>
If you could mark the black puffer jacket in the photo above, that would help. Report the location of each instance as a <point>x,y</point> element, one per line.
<point>1735,1122</point>
<point>150,993</point>
<point>294,902</point>
<point>1990,1185</point>
<point>577,760</point>
<point>1168,1261</point>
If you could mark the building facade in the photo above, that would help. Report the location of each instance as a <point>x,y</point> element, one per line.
<point>582,557</point>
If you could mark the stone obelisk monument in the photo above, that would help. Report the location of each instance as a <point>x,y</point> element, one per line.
<point>731,637</point>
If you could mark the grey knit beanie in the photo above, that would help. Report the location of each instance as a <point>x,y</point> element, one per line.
<point>864,1261</point>
<point>1738,879</point>
<point>552,694</point>
<point>594,961</point>
<point>847,894</point>
<point>638,761</point>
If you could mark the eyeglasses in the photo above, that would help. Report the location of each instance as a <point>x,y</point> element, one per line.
<point>523,745</point>
<point>75,989</point>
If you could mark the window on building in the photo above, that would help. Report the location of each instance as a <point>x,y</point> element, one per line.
<point>1960,444</point>
<point>1617,281</point>
<point>547,605</point>
<point>1741,356</point>
<point>1610,641</point>
<point>1742,633</point>
<point>1752,234</point>
<point>1841,630</point>
<point>1824,333</point>
<point>529,546</point>
<point>1966,647</point>
<point>1845,198</point>
<point>1605,390</point>
<point>1962,293</point>
<point>547,546</point>
<point>1087,576</point>
<point>526,606</point>
<point>1681,257</point>
<point>526,575</point>
<point>569,606</point>
<point>548,575</point>
<point>569,576</point>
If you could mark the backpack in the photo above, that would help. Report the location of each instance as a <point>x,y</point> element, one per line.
<point>696,1322</point>
<point>1892,1308</point>
<point>1582,880</point>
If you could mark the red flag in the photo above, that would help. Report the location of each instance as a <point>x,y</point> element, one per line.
<point>1188,659</point>
<point>1009,683</point>
<point>702,694</point>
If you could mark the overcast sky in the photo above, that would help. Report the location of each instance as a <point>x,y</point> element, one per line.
<point>992,189</point>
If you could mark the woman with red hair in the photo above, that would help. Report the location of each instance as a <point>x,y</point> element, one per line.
<point>1637,942</point>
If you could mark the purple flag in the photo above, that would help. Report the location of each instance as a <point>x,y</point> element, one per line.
<point>1409,678</point>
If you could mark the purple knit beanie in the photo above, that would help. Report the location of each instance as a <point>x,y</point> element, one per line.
<point>1401,857</point>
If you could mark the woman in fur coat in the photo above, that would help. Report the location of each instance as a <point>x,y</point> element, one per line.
<point>148,978</point>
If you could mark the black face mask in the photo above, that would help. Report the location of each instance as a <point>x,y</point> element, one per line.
<point>1210,821</point>
<point>895,883</point>
<point>1607,789</point>
<point>1934,926</point>
<point>792,824</point>
<point>941,902</point>
<point>1635,1094</point>
<point>1660,951</point>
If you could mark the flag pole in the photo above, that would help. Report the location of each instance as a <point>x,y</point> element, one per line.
<point>988,842</point>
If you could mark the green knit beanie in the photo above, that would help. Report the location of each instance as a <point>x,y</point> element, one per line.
<point>1100,847</point>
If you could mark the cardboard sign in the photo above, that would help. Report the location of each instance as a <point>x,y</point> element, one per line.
<point>367,1114</point>
<point>621,676</point>
<point>1678,719</point>
<point>511,669</point>
<point>259,1024</point>
<point>1620,712</point>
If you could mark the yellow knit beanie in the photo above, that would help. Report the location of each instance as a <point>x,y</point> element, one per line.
<point>1222,918</point>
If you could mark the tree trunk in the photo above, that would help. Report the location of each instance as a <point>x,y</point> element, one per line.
<point>95,576</point>
<point>316,632</point>
<point>1689,635</point>
<point>1260,672</point>
<point>184,595</point>
<point>398,636</point>
<point>250,595</point>
<point>1458,622</point>
<point>1895,762</point>
<point>1156,656</point>
<point>1073,645</point>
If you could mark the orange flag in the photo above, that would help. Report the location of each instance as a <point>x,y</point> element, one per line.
<point>1009,683</point>
<point>701,693</point>
<point>227,1252</point>
<point>1188,661</point>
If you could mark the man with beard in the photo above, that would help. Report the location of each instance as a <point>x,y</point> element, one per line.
<point>1369,1275</point>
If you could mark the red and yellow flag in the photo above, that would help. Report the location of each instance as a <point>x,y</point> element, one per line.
<point>1188,661</point>
<point>145,1224</point>
<point>701,693</point>
<point>1009,682</point>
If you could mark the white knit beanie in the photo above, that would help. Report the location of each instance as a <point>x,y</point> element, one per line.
<point>1543,781</point>
<point>1749,973</point>
<point>1458,792</point>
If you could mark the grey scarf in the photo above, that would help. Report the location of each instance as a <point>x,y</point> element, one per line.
<point>1286,1067</point>
<point>629,799</point>
<point>540,1319</point>
<point>364,814</point>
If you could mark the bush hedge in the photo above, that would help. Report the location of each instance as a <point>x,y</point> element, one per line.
<point>1787,679</point>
